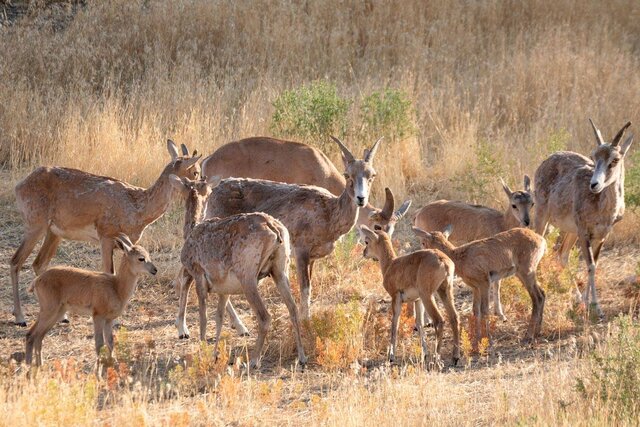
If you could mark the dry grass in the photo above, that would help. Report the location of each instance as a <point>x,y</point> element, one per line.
<point>101,87</point>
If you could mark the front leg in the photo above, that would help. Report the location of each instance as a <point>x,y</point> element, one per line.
<point>202,291</point>
<point>98,332</point>
<point>587,253</point>
<point>108,335</point>
<point>302,265</point>
<point>497,303</point>
<point>236,322</point>
<point>222,303</point>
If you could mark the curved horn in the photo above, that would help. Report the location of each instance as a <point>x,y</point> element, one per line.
<point>597,132</point>
<point>370,154</point>
<point>402,210</point>
<point>345,151</point>
<point>185,150</point>
<point>616,139</point>
<point>389,204</point>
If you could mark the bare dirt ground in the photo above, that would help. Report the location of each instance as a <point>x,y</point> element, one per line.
<point>149,319</point>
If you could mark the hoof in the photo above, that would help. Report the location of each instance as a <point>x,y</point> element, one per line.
<point>244,334</point>
<point>66,321</point>
<point>184,337</point>
<point>527,340</point>
<point>22,324</point>
<point>455,361</point>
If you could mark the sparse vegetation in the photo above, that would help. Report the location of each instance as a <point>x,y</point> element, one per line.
<point>465,91</point>
<point>614,372</point>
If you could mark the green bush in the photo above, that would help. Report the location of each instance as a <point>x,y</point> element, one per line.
<point>632,181</point>
<point>614,376</point>
<point>310,112</point>
<point>388,113</point>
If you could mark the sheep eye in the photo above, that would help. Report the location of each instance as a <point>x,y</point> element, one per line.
<point>514,206</point>
<point>141,259</point>
<point>377,227</point>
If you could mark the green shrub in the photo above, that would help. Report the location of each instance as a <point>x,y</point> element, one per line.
<point>632,181</point>
<point>388,113</point>
<point>310,112</point>
<point>614,377</point>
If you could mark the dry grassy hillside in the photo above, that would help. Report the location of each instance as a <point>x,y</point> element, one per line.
<point>463,92</point>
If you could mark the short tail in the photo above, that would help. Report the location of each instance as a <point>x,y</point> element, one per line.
<point>276,231</point>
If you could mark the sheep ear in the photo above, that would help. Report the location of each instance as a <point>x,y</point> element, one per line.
<point>367,232</point>
<point>447,231</point>
<point>191,161</point>
<point>527,184</point>
<point>185,150</point>
<point>419,232</point>
<point>213,181</point>
<point>177,183</point>
<point>123,242</point>
<point>173,149</point>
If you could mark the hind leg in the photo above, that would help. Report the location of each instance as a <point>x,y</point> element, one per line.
<point>184,285</point>
<point>46,252</point>
<point>396,309</point>
<point>106,249</point>
<point>537,296</point>
<point>436,316</point>
<point>222,304</point>
<point>250,288</point>
<point>445,291</point>
<point>27,244</point>
<point>202,291</point>
<point>568,240</point>
<point>284,288</point>
<point>46,320</point>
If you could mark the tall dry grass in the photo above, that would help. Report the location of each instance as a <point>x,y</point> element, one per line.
<point>104,92</point>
